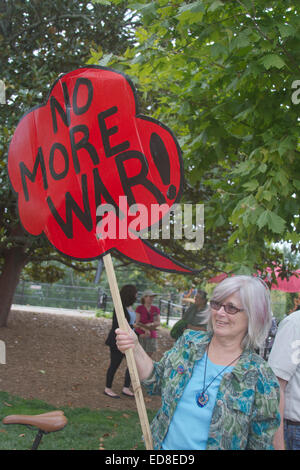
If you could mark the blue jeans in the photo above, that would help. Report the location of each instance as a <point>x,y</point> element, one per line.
<point>292,436</point>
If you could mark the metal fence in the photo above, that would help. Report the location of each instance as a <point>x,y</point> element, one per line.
<point>85,298</point>
<point>57,295</point>
<point>170,310</point>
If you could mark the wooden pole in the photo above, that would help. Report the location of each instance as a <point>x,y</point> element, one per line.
<point>135,381</point>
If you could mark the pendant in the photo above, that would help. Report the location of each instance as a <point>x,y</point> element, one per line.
<point>201,399</point>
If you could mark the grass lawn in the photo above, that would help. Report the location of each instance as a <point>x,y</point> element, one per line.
<point>86,429</point>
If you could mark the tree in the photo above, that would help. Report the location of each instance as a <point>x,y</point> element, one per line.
<point>40,39</point>
<point>225,76</point>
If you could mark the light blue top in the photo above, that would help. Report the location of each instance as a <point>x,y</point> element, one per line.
<point>132,315</point>
<point>189,427</point>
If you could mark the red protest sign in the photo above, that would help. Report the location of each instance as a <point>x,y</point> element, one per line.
<point>87,147</point>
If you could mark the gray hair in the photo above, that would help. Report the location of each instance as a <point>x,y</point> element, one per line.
<point>255,299</point>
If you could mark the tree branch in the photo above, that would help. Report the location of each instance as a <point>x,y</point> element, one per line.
<point>265,36</point>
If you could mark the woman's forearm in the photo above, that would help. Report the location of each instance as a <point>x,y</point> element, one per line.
<point>128,340</point>
<point>144,363</point>
<point>141,326</point>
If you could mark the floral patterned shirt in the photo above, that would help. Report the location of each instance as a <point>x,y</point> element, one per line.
<point>246,411</point>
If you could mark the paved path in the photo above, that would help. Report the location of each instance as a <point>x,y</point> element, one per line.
<point>53,310</point>
<point>66,311</point>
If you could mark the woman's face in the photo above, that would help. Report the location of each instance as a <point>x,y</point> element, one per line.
<point>227,325</point>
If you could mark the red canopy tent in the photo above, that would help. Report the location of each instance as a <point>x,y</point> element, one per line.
<point>292,284</point>
<point>217,279</point>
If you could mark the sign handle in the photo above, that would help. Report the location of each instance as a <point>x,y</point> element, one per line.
<point>135,381</point>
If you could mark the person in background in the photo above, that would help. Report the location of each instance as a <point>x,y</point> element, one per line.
<point>196,316</point>
<point>147,322</point>
<point>216,392</point>
<point>284,359</point>
<point>128,295</point>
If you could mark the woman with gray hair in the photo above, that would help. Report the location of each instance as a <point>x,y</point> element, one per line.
<point>217,393</point>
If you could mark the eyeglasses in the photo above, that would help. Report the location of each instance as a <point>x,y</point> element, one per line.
<point>229,308</point>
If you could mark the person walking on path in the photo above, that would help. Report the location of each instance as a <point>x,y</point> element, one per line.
<point>128,295</point>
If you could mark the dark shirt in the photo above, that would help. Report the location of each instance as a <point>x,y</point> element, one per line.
<point>194,316</point>
<point>111,338</point>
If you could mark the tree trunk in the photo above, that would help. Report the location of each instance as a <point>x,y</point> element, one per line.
<point>14,261</point>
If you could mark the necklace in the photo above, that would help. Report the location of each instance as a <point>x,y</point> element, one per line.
<point>202,397</point>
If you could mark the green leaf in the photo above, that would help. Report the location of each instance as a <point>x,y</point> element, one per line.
<point>281,178</point>
<point>220,220</point>
<point>194,7</point>
<point>241,40</point>
<point>272,220</point>
<point>233,237</point>
<point>244,167</point>
<point>262,168</point>
<point>285,145</point>
<point>293,237</point>
<point>243,270</point>
<point>267,195</point>
<point>215,5</point>
<point>103,2</point>
<point>272,60</point>
<point>105,59</point>
<point>286,30</point>
<point>296,184</point>
<point>251,185</point>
